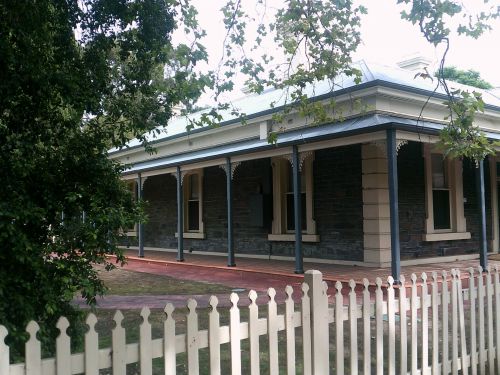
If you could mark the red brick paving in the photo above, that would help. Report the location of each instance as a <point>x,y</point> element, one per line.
<point>250,273</point>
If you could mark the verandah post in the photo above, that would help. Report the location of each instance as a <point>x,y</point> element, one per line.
<point>319,322</point>
<point>297,208</point>
<point>229,195</point>
<point>180,218</point>
<point>483,249</point>
<point>141,225</point>
<point>393,203</point>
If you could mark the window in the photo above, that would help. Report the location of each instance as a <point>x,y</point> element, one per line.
<point>132,187</point>
<point>290,208</point>
<point>193,204</point>
<point>283,227</point>
<point>444,198</point>
<point>441,208</point>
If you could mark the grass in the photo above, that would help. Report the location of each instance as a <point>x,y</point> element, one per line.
<point>123,282</point>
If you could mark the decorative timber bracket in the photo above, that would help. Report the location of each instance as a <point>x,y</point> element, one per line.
<point>234,166</point>
<point>302,157</point>
<point>381,144</point>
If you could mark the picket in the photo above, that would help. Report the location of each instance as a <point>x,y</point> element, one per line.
<point>414,327</point>
<point>4,352</point>
<point>192,339</point>
<point>145,344</point>
<point>33,350</point>
<point>454,324</point>
<point>119,351</point>
<point>306,330</point>
<point>480,297</point>
<point>63,348</point>
<point>290,331</point>
<point>169,350</point>
<point>379,325</point>
<point>272,332</point>
<point>472,318</point>
<point>234,329</point>
<point>339,328</point>
<point>497,317</point>
<point>471,348</point>
<point>435,324</point>
<point>214,337</point>
<point>445,300</point>
<point>424,318</point>
<point>403,333</point>
<point>391,318</point>
<point>353,327</point>
<point>489,309</point>
<point>461,321</point>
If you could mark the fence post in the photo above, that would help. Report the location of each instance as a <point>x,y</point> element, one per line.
<point>319,322</point>
<point>4,352</point>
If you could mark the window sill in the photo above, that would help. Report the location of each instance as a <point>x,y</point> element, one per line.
<point>194,235</point>
<point>448,236</point>
<point>291,237</point>
<point>131,234</point>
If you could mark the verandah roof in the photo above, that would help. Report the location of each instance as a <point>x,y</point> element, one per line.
<point>365,124</point>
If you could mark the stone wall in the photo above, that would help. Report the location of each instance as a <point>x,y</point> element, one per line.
<point>411,170</point>
<point>338,208</point>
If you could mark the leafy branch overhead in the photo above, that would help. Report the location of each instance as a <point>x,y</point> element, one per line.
<point>314,41</point>
<point>80,77</point>
<point>461,137</point>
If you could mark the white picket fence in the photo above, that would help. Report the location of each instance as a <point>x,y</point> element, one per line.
<point>447,323</point>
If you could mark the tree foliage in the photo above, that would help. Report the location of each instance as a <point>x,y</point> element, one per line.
<point>76,78</point>
<point>467,77</point>
<point>461,137</point>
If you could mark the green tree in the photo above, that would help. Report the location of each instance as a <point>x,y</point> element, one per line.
<point>467,77</point>
<point>76,78</point>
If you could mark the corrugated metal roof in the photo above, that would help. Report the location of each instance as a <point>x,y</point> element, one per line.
<point>372,74</point>
<point>365,124</point>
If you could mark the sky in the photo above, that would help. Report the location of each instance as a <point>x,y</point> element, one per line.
<point>386,39</point>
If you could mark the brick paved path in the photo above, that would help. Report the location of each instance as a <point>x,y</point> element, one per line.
<point>257,274</point>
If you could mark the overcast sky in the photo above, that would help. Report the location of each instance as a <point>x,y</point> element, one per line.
<point>386,38</point>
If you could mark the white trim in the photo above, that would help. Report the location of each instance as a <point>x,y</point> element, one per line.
<point>185,196</point>
<point>344,141</point>
<point>203,164</point>
<point>458,222</point>
<point>262,154</point>
<point>291,237</point>
<point>157,172</point>
<point>448,236</point>
<point>280,170</point>
<point>134,176</point>
<point>194,235</point>
<point>417,137</point>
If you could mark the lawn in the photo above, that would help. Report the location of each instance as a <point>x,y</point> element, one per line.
<point>127,283</point>
<point>123,282</point>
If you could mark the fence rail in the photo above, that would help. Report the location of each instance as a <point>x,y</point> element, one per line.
<point>437,324</point>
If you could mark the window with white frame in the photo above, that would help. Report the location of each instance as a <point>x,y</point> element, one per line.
<point>132,187</point>
<point>283,227</point>
<point>193,204</point>
<point>444,197</point>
